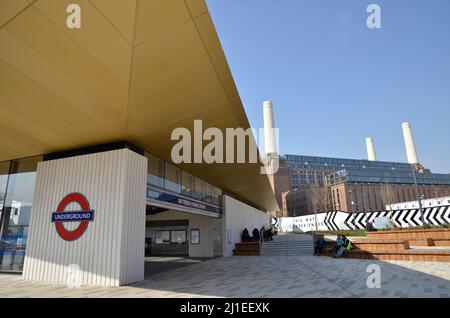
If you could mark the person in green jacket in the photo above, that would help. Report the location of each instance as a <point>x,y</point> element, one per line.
<point>345,247</point>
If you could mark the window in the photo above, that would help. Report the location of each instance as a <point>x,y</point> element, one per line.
<point>178,237</point>
<point>209,192</point>
<point>162,237</point>
<point>199,189</point>
<point>155,171</point>
<point>4,171</point>
<point>172,178</point>
<point>217,194</point>
<point>187,184</point>
<point>17,195</point>
<point>195,236</point>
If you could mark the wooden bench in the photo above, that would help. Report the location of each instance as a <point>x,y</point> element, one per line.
<point>378,244</point>
<point>415,234</point>
<point>246,249</point>
<point>416,237</point>
<point>441,242</point>
<point>421,242</point>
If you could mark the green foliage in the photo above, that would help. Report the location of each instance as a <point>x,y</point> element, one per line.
<point>345,232</point>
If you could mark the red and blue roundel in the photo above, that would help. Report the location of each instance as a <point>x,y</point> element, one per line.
<point>84,216</point>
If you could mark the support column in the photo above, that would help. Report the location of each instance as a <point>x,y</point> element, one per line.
<point>88,216</point>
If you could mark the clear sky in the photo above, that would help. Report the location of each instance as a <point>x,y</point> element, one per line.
<point>333,81</point>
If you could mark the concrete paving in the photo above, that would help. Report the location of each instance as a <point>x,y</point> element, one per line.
<point>158,264</point>
<point>259,276</point>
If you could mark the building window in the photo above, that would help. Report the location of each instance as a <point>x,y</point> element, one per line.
<point>17,179</point>
<point>195,236</point>
<point>187,184</point>
<point>217,194</point>
<point>162,237</point>
<point>209,192</point>
<point>172,178</point>
<point>155,171</point>
<point>178,237</point>
<point>200,189</point>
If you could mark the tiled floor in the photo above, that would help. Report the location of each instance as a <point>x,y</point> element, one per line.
<point>257,276</point>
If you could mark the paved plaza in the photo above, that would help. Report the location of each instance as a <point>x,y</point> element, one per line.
<point>258,276</point>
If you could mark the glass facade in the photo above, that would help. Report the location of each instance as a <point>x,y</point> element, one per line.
<point>164,175</point>
<point>359,171</point>
<point>17,179</point>
<point>188,184</point>
<point>389,176</point>
<point>155,170</point>
<point>294,161</point>
<point>172,178</point>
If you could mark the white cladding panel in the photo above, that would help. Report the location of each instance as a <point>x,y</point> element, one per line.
<point>238,216</point>
<point>210,230</point>
<point>111,250</point>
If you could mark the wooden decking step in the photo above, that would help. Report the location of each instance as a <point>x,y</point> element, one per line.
<point>246,248</point>
<point>441,242</point>
<point>420,255</point>
<point>245,253</point>
<point>413,234</point>
<point>380,244</point>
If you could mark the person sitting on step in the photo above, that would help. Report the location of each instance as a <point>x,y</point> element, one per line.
<point>245,236</point>
<point>346,246</point>
<point>320,245</point>
<point>338,244</point>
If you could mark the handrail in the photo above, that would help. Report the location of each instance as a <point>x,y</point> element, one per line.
<point>261,238</point>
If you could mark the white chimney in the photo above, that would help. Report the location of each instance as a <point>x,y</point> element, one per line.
<point>409,143</point>
<point>371,154</point>
<point>270,144</point>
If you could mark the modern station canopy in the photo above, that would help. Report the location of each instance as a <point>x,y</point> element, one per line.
<point>134,71</point>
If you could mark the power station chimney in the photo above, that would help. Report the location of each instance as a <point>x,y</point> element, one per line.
<point>269,129</point>
<point>409,143</point>
<point>371,154</point>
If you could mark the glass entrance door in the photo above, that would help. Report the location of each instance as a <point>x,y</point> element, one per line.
<point>15,212</point>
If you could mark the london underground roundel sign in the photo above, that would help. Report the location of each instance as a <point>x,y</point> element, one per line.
<point>83,216</point>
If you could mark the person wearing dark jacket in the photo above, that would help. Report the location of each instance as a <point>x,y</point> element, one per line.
<point>320,244</point>
<point>255,235</point>
<point>245,236</point>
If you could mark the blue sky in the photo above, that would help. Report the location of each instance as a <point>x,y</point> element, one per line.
<point>333,81</point>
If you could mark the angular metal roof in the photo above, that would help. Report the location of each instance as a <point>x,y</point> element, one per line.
<point>135,70</point>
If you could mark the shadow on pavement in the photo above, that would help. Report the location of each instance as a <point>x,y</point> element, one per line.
<point>159,264</point>
<point>295,277</point>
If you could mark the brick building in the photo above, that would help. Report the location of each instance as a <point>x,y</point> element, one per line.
<point>370,185</point>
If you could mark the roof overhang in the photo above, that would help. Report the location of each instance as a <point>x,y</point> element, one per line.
<point>134,71</point>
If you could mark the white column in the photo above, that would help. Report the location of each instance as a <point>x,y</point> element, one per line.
<point>110,249</point>
<point>409,143</point>
<point>371,154</point>
<point>270,144</point>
